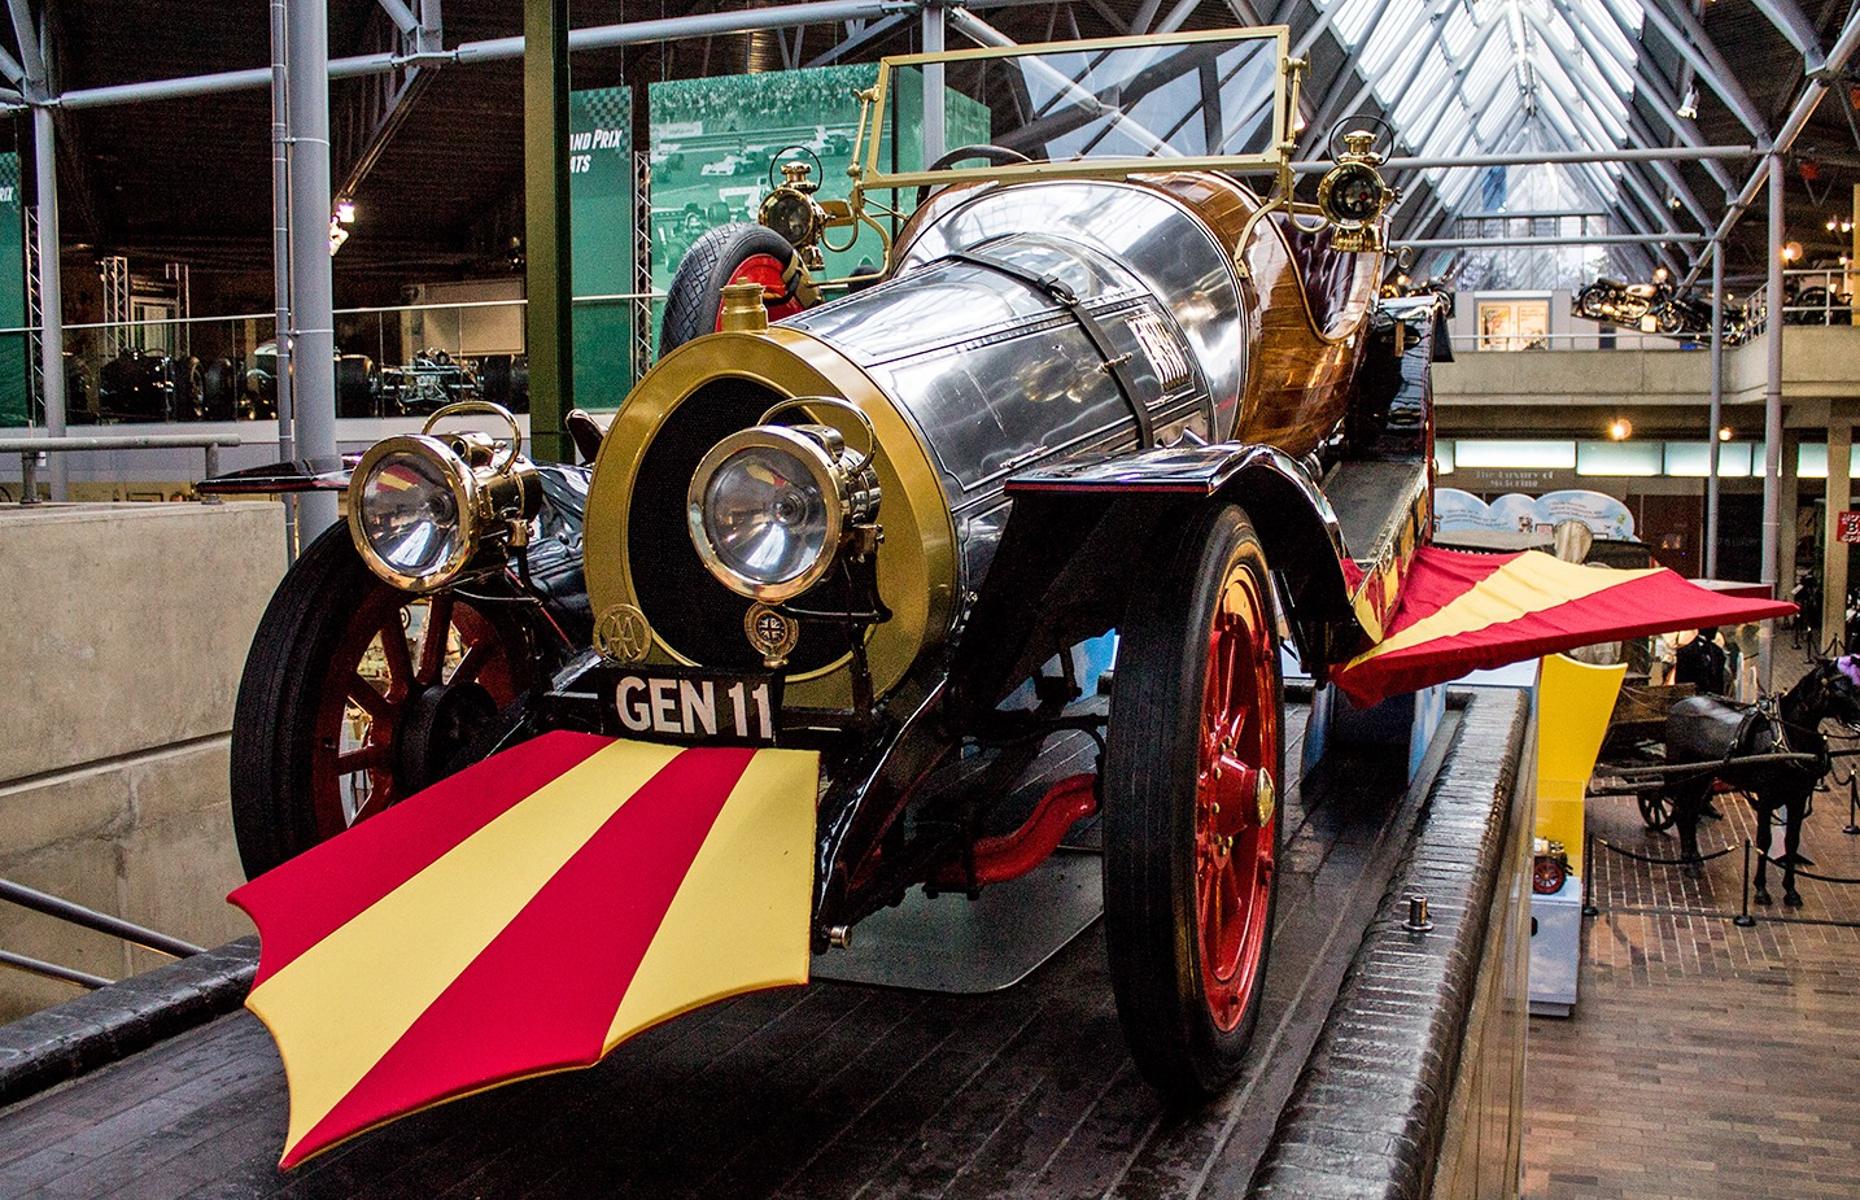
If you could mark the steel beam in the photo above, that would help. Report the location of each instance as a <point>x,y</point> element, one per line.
<point>786,16</point>
<point>934,29</point>
<point>401,15</point>
<point>1787,16</point>
<point>872,32</point>
<point>31,60</point>
<point>1580,239</point>
<point>51,293</point>
<point>1681,28</point>
<point>281,257</point>
<point>1772,413</point>
<point>1529,158</point>
<point>547,281</point>
<point>1717,409</point>
<point>1844,48</point>
<point>313,322</point>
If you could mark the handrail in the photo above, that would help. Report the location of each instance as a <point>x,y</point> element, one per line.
<point>32,449</point>
<point>90,918</point>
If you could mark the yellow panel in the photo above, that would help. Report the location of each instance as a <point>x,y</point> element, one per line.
<point>743,915</point>
<point>338,1007</point>
<point>1574,702</point>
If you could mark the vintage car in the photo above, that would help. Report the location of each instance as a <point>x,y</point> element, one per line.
<point>1101,383</point>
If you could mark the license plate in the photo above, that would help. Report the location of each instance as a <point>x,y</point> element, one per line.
<point>694,706</point>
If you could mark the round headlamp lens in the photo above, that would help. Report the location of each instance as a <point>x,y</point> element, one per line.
<point>410,515</point>
<point>765,516</point>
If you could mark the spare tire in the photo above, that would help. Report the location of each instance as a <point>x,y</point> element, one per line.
<point>736,253</point>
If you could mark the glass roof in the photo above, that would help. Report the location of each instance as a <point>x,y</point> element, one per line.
<point>1494,76</point>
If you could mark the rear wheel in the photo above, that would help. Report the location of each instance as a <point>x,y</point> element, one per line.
<point>1656,810</point>
<point>355,695</point>
<point>1191,821</point>
<point>739,253</point>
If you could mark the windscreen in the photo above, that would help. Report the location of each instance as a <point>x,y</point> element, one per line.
<point>1212,99</point>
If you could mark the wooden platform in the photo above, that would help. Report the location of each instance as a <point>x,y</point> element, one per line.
<point>832,1090</point>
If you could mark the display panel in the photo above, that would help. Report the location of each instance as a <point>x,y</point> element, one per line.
<point>1214,99</point>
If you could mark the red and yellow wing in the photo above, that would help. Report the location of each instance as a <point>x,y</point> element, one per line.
<point>525,916</point>
<point>1463,612</point>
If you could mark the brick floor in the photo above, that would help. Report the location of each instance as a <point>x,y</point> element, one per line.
<point>1705,1060</point>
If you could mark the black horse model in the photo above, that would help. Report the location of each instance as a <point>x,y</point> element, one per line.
<point>1705,728</point>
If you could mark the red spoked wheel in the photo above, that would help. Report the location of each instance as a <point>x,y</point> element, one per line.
<point>1194,756</point>
<point>778,294</point>
<point>1236,799</point>
<point>410,677</point>
<point>739,253</point>
<point>356,695</point>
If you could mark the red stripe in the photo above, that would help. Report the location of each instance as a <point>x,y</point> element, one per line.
<point>311,896</point>
<point>1437,577</point>
<point>1661,603</point>
<point>542,995</point>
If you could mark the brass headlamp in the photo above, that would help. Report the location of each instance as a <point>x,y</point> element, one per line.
<point>792,211</point>
<point>771,508</point>
<point>1353,195</point>
<point>427,510</point>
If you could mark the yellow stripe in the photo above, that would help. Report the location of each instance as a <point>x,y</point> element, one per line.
<point>1531,583</point>
<point>342,1004</point>
<point>742,916</point>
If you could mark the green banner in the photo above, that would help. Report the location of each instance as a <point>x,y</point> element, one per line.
<point>715,140</point>
<point>15,386</point>
<point>600,197</point>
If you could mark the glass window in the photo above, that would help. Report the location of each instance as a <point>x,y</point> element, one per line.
<point>1514,454</point>
<point>1618,458</point>
<point>1692,460</point>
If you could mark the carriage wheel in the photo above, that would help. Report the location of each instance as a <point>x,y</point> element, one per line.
<point>1656,810</point>
<point>739,253</point>
<point>354,696</point>
<point>1192,767</point>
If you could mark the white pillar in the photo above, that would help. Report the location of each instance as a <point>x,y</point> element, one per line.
<point>51,293</point>
<point>281,256</point>
<point>1717,408</point>
<point>313,349</point>
<point>935,137</point>
<point>1772,417</point>
<point>1834,551</point>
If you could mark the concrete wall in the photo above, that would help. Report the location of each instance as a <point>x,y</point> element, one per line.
<point>121,656</point>
<point>1817,363</point>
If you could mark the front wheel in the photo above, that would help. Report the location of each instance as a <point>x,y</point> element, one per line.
<point>355,695</point>
<point>1191,815</point>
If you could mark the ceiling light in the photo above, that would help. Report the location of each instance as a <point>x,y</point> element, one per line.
<point>345,211</point>
<point>1724,433</point>
<point>1792,252</point>
<point>1620,429</point>
<point>1689,107</point>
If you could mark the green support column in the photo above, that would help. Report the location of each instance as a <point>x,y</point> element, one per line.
<point>545,224</point>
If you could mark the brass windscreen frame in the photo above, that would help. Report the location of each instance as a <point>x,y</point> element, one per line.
<point>872,179</point>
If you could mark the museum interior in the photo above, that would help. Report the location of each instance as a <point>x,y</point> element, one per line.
<point>930,598</point>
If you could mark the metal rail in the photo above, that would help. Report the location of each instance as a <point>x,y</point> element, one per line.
<point>50,970</point>
<point>90,918</point>
<point>32,449</point>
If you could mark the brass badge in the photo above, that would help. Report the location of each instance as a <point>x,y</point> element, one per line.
<point>772,633</point>
<point>1265,797</point>
<point>622,634</point>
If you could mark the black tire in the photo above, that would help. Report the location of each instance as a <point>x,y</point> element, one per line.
<point>696,293</point>
<point>272,810</point>
<point>328,601</point>
<point>1152,810</point>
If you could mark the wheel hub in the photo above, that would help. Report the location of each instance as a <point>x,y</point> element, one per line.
<point>438,722</point>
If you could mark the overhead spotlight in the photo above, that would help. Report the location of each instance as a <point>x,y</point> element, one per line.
<point>1620,429</point>
<point>345,211</point>
<point>1688,109</point>
<point>1834,223</point>
<point>1661,274</point>
<point>1724,433</point>
<point>1672,200</point>
<point>1792,252</point>
<point>1847,226</point>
